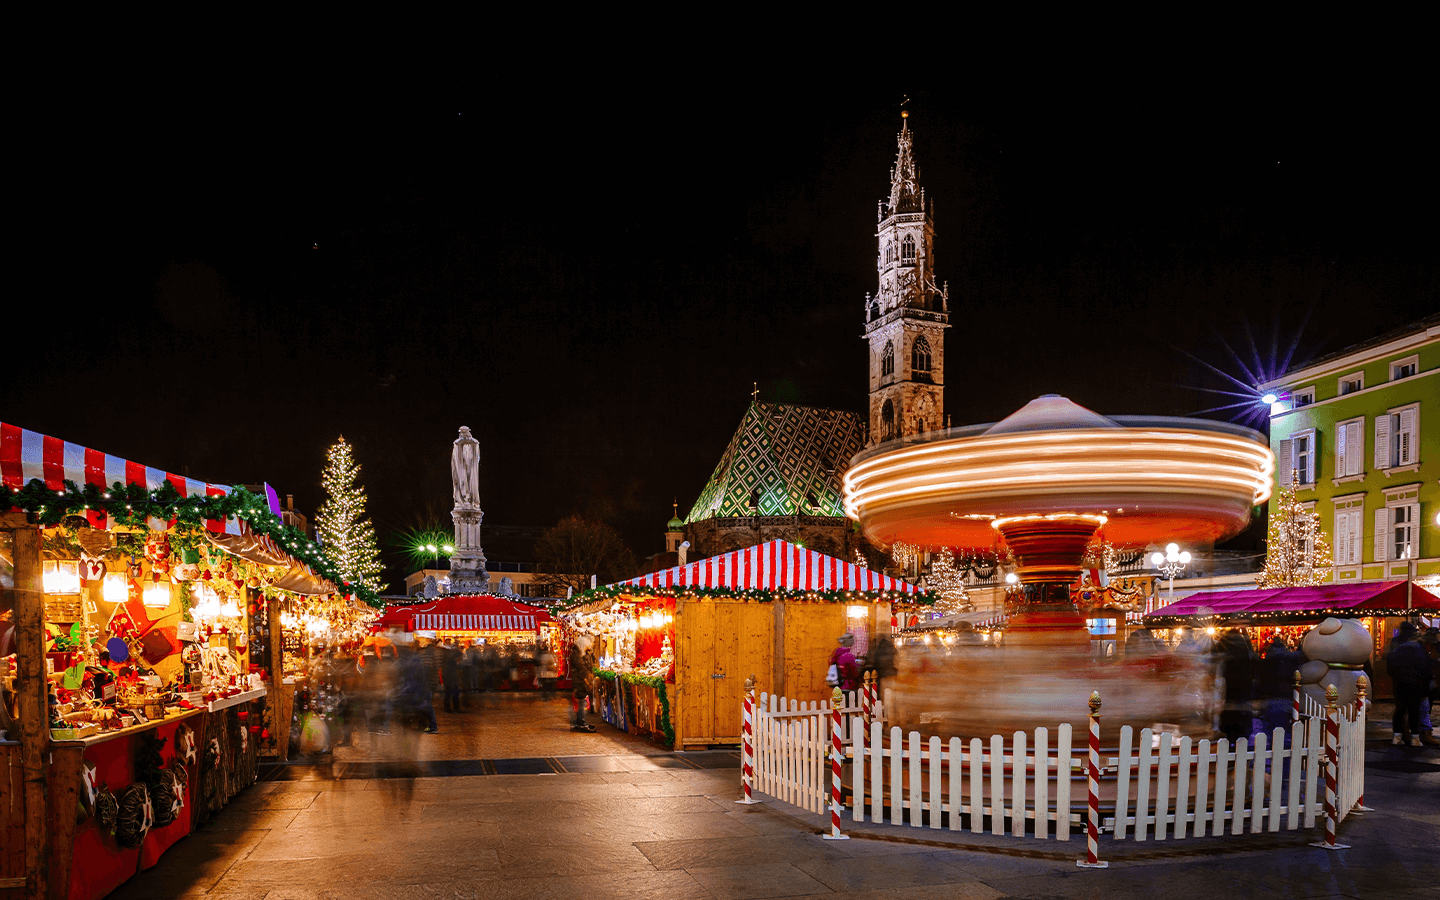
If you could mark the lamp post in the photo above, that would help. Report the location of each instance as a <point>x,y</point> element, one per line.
<point>1169,563</point>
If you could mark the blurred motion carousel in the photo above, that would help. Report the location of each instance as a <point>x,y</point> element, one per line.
<point>1044,486</point>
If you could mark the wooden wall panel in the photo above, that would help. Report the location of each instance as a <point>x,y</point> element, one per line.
<point>810,633</point>
<point>695,695</point>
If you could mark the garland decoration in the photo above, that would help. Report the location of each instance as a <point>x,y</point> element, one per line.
<point>133,505</point>
<point>612,592</point>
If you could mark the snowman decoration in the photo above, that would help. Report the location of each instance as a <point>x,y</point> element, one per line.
<point>1336,651</point>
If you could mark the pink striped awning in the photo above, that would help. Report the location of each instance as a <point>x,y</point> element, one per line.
<point>27,455</point>
<point>774,565</point>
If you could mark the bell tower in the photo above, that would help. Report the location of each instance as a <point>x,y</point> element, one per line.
<point>905,320</point>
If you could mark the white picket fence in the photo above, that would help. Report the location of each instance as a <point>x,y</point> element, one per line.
<point>1159,785</point>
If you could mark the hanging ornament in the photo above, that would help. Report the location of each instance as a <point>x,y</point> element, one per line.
<point>92,568</point>
<point>136,570</point>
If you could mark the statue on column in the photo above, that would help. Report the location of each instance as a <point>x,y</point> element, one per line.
<point>467,563</point>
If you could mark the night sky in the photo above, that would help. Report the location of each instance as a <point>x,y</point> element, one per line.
<point>592,282</point>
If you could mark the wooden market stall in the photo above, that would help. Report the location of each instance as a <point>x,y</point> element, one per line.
<point>130,695</point>
<point>511,625</point>
<point>1380,606</point>
<point>673,648</point>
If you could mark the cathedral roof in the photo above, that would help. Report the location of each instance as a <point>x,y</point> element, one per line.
<point>905,194</point>
<point>791,457</point>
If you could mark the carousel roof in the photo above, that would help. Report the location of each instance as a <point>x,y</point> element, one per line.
<point>1371,598</point>
<point>774,565</point>
<point>790,458</point>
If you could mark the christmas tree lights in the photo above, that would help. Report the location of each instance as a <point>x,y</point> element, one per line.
<point>347,535</point>
<point>1297,553</point>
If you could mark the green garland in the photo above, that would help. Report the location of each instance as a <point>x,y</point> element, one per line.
<point>759,595</point>
<point>650,681</point>
<point>132,505</point>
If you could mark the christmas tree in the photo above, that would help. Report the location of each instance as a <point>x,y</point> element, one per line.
<point>344,531</point>
<point>1297,553</point>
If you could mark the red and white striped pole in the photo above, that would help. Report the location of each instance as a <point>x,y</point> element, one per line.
<point>1092,835</point>
<point>1332,766</point>
<point>747,746</point>
<point>867,703</point>
<point>1295,700</point>
<point>837,699</point>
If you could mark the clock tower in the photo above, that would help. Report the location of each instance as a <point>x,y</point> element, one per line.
<point>905,320</point>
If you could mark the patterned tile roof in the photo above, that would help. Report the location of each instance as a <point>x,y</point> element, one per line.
<point>793,456</point>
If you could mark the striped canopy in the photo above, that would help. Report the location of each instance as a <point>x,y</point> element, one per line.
<point>775,565</point>
<point>473,613</point>
<point>27,455</point>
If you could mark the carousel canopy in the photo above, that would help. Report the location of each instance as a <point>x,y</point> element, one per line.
<point>1374,598</point>
<point>481,612</point>
<point>777,566</point>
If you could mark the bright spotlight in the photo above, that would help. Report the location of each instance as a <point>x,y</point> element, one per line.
<point>1269,398</point>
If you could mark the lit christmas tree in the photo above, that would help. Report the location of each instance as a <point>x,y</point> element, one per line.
<point>948,580</point>
<point>347,535</point>
<point>1297,553</point>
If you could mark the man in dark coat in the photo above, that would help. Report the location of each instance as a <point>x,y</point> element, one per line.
<point>1409,668</point>
<point>579,678</point>
<point>1237,665</point>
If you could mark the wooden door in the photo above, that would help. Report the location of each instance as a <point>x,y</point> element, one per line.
<point>811,630</point>
<point>724,643</point>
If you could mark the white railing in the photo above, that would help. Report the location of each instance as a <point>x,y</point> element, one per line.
<point>1156,786</point>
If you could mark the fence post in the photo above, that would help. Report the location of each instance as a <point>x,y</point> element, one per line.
<point>1332,765</point>
<point>1092,846</point>
<point>1295,700</point>
<point>1362,687</point>
<point>747,746</point>
<point>867,697</point>
<point>837,700</point>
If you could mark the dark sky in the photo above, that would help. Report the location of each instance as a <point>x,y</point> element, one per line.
<point>593,281</point>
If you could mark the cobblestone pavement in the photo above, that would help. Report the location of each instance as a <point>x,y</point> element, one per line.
<point>629,821</point>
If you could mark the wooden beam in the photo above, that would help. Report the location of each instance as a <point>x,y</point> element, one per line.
<point>34,701</point>
<point>12,519</point>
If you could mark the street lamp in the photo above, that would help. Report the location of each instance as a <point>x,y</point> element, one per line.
<point>1169,563</point>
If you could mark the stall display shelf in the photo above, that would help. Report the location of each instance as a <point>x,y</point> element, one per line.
<point>227,702</point>
<point>128,730</point>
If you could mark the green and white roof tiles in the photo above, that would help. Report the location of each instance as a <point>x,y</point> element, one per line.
<point>791,458</point>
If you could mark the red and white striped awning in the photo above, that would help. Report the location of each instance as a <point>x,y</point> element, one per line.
<point>28,455</point>
<point>453,622</point>
<point>775,565</point>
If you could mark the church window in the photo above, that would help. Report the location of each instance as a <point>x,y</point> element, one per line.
<point>887,360</point>
<point>907,249</point>
<point>887,421</point>
<point>920,356</point>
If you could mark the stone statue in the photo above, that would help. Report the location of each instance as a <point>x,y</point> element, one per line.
<point>465,470</point>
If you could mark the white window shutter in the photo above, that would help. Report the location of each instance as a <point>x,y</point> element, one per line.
<point>1285,462</point>
<point>1314,458</point>
<point>1356,439</point>
<point>1405,438</point>
<point>1414,523</point>
<point>1382,441</point>
<point>1352,551</point>
<point>1342,447</point>
<point>1382,535</point>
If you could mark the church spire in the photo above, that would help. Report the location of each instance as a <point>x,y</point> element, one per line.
<point>905,193</point>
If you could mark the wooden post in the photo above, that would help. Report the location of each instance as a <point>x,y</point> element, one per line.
<point>34,701</point>
<point>274,643</point>
<point>1092,829</point>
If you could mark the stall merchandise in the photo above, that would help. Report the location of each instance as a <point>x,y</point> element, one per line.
<point>141,599</point>
<point>671,650</point>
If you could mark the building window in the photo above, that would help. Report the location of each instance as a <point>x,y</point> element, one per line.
<point>907,249</point>
<point>1348,523</point>
<point>1298,458</point>
<point>1350,447</point>
<point>1303,397</point>
<point>1404,368</point>
<point>887,360</point>
<point>1351,383</point>
<point>1396,533</point>
<point>1397,437</point>
<point>920,357</point>
<point>887,421</point>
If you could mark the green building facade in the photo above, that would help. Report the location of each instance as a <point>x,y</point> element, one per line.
<point>1359,430</point>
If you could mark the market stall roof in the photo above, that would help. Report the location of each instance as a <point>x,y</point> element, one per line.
<point>28,455</point>
<point>774,565</point>
<point>1373,598</point>
<point>479,612</point>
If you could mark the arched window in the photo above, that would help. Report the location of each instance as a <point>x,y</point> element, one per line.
<point>887,360</point>
<point>887,421</point>
<point>907,249</point>
<point>875,309</point>
<point>920,356</point>
<point>885,256</point>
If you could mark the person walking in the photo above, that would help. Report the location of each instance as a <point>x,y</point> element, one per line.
<point>1409,667</point>
<point>548,670</point>
<point>472,671</point>
<point>579,680</point>
<point>843,666</point>
<point>492,667</point>
<point>450,673</point>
